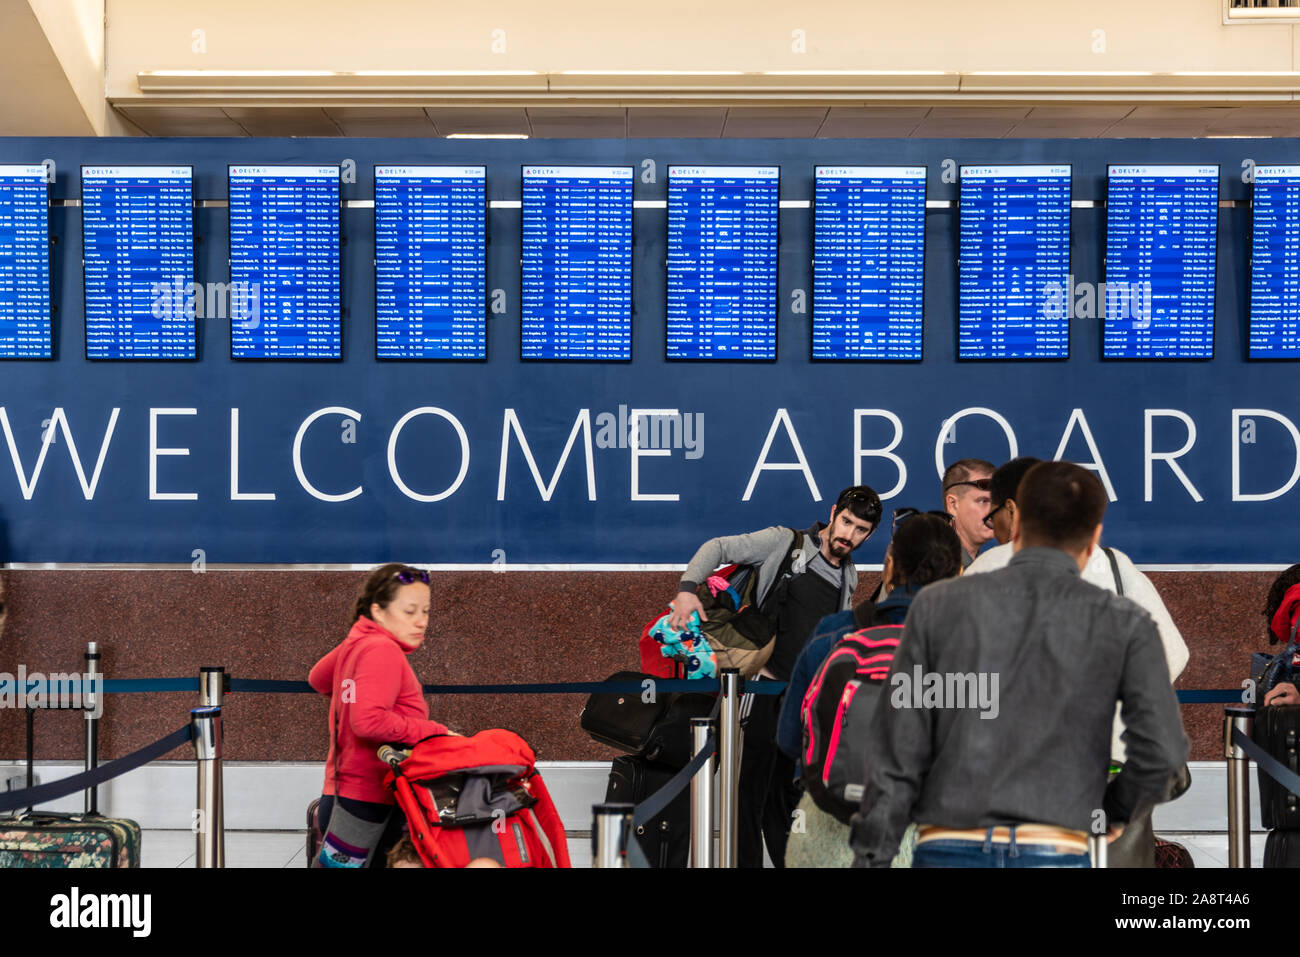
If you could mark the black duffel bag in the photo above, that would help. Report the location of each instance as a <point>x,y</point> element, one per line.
<point>649,724</point>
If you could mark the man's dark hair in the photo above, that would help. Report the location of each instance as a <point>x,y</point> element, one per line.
<point>1061,504</point>
<point>925,549</point>
<point>1276,592</point>
<point>961,471</point>
<point>1007,479</point>
<point>863,502</point>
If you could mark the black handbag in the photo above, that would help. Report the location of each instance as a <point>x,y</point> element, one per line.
<point>654,726</point>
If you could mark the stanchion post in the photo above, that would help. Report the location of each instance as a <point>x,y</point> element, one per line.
<point>611,830</point>
<point>729,763</point>
<point>1238,717</point>
<point>212,687</point>
<point>212,694</point>
<point>210,839</point>
<point>702,797</point>
<point>1097,848</point>
<point>90,701</point>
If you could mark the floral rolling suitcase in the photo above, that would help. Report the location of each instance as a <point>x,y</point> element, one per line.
<point>44,839</point>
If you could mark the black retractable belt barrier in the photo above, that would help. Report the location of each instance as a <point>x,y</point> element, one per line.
<point>14,800</point>
<point>284,686</point>
<point>1271,766</point>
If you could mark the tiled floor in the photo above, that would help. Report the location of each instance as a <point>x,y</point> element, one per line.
<point>287,848</point>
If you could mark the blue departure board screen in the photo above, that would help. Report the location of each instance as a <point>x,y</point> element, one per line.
<point>576,262</point>
<point>868,262</point>
<point>137,227</point>
<point>1275,264</point>
<point>1161,230</point>
<point>722,249</point>
<point>1014,263</point>
<point>430,262</point>
<point>284,262</point>
<point>25,327</point>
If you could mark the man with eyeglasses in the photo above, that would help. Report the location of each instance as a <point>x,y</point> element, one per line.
<point>1107,568</point>
<point>966,499</point>
<point>822,581</point>
<point>1023,788</point>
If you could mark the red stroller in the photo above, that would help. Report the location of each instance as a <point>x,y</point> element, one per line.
<point>475,797</point>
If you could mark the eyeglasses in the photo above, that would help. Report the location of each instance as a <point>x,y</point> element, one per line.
<point>411,575</point>
<point>902,514</point>
<point>988,519</point>
<point>983,484</point>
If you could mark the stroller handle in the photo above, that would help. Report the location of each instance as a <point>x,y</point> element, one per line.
<point>392,756</point>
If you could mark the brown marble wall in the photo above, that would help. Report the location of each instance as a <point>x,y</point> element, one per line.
<point>487,628</point>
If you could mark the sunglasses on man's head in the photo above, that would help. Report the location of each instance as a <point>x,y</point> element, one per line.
<point>412,575</point>
<point>906,512</point>
<point>869,499</point>
<point>983,484</point>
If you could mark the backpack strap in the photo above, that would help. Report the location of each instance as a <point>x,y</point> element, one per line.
<point>775,596</point>
<point>548,817</point>
<point>1114,570</point>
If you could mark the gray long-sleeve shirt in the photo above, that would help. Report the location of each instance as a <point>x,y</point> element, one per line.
<point>1050,655</point>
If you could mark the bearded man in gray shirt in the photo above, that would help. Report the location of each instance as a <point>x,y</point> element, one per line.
<point>994,731</point>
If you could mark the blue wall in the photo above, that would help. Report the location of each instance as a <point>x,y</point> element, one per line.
<point>739,401</point>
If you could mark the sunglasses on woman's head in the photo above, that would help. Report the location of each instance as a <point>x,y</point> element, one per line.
<point>412,575</point>
<point>906,512</point>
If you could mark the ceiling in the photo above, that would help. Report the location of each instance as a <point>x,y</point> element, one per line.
<point>992,121</point>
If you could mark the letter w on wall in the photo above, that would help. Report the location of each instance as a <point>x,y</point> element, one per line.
<point>59,420</point>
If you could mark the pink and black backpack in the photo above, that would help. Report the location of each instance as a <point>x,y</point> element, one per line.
<point>837,715</point>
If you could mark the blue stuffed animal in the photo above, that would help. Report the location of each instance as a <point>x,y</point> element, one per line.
<point>688,645</point>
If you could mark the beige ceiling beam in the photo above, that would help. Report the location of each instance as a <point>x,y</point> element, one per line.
<point>701,88</point>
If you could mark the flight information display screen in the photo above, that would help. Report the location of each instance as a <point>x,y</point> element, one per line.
<point>137,228</point>
<point>430,262</point>
<point>25,327</point>
<point>1014,263</point>
<point>722,251</point>
<point>1275,264</point>
<point>284,263</point>
<point>868,262</point>
<point>1161,228</point>
<point>576,262</point>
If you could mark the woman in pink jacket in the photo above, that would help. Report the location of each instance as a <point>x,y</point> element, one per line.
<point>375,698</point>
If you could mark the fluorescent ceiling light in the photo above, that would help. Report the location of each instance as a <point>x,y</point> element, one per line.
<point>487,136</point>
<point>1098,73</point>
<point>652,73</point>
<point>437,73</point>
<point>341,73</point>
<point>854,73</point>
<point>217,73</point>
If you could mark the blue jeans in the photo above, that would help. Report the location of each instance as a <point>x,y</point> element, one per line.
<point>988,853</point>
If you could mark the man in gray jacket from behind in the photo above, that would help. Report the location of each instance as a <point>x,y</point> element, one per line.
<point>994,731</point>
<point>822,581</point>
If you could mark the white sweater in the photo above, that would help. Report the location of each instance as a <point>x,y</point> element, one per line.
<point>1136,587</point>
